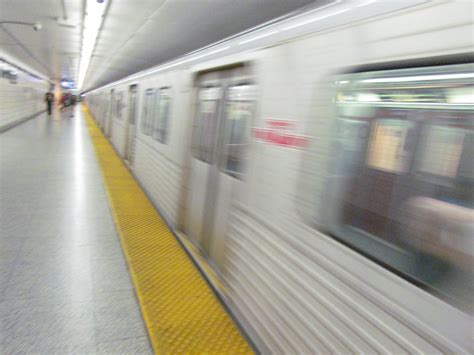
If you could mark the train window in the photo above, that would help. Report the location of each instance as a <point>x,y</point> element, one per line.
<point>148,111</point>
<point>387,145</point>
<point>240,108</point>
<point>119,105</point>
<point>132,111</point>
<point>400,185</point>
<point>162,113</point>
<point>112,105</point>
<point>441,151</point>
<point>205,123</point>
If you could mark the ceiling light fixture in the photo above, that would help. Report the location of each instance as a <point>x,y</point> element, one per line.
<point>403,79</point>
<point>92,22</point>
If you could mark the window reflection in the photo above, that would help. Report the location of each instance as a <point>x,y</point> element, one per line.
<point>205,123</point>
<point>161,115</point>
<point>402,173</point>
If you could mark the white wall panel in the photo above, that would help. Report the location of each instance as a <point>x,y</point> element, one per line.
<point>21,100</point>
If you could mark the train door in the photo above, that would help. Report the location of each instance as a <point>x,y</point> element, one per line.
<point>226,102</point>
<point>106,112</point>
<point>110,116</point>
<point>103,111</point>
<point>131,127</point>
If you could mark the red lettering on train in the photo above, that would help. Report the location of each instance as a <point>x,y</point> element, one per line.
<point>277,133</point>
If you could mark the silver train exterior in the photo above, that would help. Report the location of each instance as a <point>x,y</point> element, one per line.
<point>323,165</point>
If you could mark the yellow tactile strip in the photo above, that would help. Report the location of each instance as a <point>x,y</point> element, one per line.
<point>181,312</point>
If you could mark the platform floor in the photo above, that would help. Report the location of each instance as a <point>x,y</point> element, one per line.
<point>182,314</point>
<point>64,284</point>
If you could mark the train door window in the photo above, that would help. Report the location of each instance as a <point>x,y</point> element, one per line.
<point>444,167</point>
<point>133,103</point>
<point>119,105</point>
<point>162,114</point>
<point>205,123</point>
<point>112,105</point>
<point>148,112</point>
<point>156,115</point>
<point>350,144</point>
<point>240,107</point>
<point>400,186</point>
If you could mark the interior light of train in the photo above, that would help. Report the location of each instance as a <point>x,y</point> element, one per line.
<point>367,97</point>
<point>461,96</point>
<point>404,103</point>
<point>420,78</point>
<point>92,22</point>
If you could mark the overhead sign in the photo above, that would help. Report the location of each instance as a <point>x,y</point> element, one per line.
<point>67,84</point>
<point>281,133</point>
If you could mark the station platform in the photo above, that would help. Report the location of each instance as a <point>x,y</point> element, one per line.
<point>87,265</point>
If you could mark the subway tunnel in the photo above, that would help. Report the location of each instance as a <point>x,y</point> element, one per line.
<point>227,177</point>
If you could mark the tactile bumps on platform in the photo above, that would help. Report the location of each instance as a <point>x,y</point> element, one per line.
<point>181,312</point>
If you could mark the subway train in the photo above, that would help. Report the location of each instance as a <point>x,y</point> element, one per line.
<point>323,165</point>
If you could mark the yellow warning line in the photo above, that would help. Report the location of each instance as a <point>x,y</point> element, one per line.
<point>181,312</point>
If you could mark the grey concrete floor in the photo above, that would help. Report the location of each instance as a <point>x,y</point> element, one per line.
<point>64,283</point>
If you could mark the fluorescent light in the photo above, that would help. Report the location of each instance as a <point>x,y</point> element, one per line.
<point>463,95</point>
<point>406,103</point>
<point>420,78</point>
<point>367,97</point>
<point>92,22</point>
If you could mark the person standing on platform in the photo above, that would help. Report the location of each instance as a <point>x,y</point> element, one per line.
<point>49,98</point>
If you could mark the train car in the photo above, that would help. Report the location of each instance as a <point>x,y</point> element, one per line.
<point>323,166</point>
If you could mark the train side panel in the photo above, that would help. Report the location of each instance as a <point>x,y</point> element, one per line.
<point>119,119</point>
<point>299,289</point>
<point>161,167</point>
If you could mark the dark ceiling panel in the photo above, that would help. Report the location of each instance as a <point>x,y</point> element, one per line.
<point>148,32</point>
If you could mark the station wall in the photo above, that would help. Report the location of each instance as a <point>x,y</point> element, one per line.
<point>21,96</point>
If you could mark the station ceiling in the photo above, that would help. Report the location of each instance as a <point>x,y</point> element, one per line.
<point>135,35</point>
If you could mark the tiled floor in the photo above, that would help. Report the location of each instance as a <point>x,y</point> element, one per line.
<point>64,284</point>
